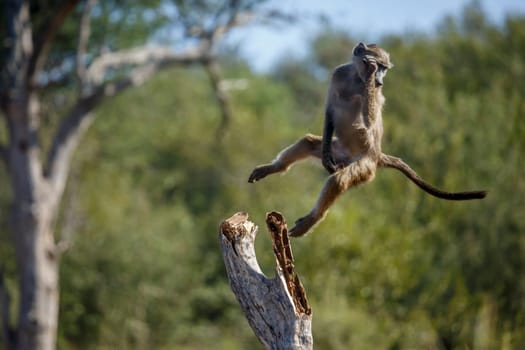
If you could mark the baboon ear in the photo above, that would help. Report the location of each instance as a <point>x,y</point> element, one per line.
<point>359,49</point>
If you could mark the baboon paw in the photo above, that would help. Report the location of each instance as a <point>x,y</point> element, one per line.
<point>302,226</point>
<point>329,164</point>
<point>371,66</point>
<point>260,172</point>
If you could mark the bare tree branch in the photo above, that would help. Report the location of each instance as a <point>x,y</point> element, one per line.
<point>66,141</point>
<point>72,127</point>
<point>72,219</point>
<point>209,28</point>
<point>214,73</point>
<point>80,117</point>
<point>83,37</point>
<point>276,309</point>
<point>237,18</point>
<point>43,44</point>
<point>18,51</point>
<point>153,55</point>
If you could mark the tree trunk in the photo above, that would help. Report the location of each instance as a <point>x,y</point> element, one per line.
<point>34,206</point>
<point>33,213</point>
<point>37,264</point>
<point>35,201</point>
<point>276,309</point>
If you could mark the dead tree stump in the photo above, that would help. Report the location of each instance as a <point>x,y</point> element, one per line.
<point>276,309</point>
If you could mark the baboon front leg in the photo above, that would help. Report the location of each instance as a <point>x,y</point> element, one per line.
<point>309,145</point>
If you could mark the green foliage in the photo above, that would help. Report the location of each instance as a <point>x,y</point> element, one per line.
<point>421,272</point>
<point>389,268</point>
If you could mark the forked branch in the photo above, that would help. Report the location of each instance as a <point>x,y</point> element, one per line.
<point>148,55</point>
<point>80,116</point>
<point>83,38</point>
<point>214,73</point>
<point>43,43</point>
<point>277,308</point>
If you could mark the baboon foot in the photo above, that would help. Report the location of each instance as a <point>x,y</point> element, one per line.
<point>302,226</point>
<point>261,172</point>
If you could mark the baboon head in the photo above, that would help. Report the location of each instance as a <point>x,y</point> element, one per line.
<point>366,55</point>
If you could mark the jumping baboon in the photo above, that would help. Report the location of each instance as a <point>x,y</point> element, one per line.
<point>353,112</point>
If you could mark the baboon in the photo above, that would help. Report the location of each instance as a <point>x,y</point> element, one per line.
<point>354,113</point>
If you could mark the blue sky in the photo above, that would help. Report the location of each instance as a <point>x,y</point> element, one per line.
<point>367,20</point>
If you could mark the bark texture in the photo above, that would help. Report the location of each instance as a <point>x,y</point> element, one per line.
<point>276,308</point>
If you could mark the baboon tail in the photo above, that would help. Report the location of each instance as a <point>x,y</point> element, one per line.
<point>393,162</point>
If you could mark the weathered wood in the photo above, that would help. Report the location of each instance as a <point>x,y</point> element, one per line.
<point>277,309</point>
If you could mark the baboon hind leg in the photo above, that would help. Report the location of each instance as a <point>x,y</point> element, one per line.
<point>332,189</point>
<point>339,182</point>
<point>307,146</point>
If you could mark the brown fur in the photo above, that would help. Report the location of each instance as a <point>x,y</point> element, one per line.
<point>354,113</point>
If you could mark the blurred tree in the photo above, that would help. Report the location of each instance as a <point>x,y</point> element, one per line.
<point>51,49</point>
